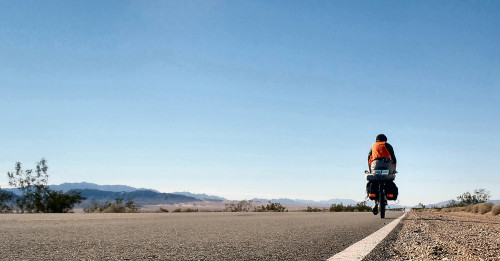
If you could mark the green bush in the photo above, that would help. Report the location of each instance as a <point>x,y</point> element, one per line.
<point>5,198</point>
<point>270,207</point>
<point>35,194</point>
<point>479,196</point>
<point>315,209</point>
<point>59,202</point>
<point>359,207</point>
<point>33,186</point>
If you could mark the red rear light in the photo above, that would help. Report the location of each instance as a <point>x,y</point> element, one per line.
<point>372,195</point>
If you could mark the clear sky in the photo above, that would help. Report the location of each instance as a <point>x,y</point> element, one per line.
<point>247,99</point>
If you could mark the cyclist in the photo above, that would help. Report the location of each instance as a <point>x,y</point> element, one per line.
<point>381,156</point>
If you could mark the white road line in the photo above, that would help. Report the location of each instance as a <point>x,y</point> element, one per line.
<point>359,250</point>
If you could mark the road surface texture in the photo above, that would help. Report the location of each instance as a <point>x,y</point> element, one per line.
<point>433,235</point>
<point>184,236</point>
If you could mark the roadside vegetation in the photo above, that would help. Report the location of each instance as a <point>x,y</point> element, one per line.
<point>248,206</point>
<point>315,209</point>
<point>163,210</point>
<point>271,207</point>
<point>36,197</point>
<point>360,207</point>
<point>116,207</point>
<point>6,201</point>
<point>475,203</point>
<point>184,210</point>
<point>239,206</point>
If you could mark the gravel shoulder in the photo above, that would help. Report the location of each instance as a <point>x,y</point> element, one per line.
<point>433,235</point>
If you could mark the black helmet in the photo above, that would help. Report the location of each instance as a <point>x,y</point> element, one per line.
<point>381,137</point>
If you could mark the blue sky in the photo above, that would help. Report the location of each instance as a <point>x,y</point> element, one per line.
<point>248,99</point>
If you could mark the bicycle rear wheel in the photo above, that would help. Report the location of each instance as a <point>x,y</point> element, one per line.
<point>382,202</point>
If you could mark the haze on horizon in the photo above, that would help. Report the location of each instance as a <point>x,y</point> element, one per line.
<point>244,99</point>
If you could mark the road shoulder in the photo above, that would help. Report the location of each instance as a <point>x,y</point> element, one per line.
<point>433,235</point>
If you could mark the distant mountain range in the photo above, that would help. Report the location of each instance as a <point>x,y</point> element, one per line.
<point>140,197</point>
<point>204,197</point>
<point>152,197</point>
<point>85,185</point>
<point>65,187</point>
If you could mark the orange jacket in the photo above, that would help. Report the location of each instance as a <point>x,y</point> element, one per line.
<point>381,149</point>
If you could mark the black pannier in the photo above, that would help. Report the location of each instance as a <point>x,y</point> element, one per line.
<point>391,190</point>
<point>372,189</point>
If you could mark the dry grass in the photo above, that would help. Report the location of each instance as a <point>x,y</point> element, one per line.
<point>481,208</point>
<point>484,207</point>
<point>495,210</point>
<point>453,209</point>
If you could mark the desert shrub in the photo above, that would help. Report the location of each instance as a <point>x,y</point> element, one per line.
<point>271,207</point>
<point>337,208</point>
<point>177,210</point>
<point>479,196</point>
<point>475,208</point>
<point>360,207</point>
<point>59,202</point>
<point>453,204</point>
<point>240,206</point>
<point>190,210</point>
<point>452,209</point>
<point>164,210</point>
<point>5,198</point>
<point>35,193</point>
<point>131,207</point>
<point>116,207</point>
<point>457,209</point>
<point>315,209</point>
<point>485,207</point>
<point>495,210</point>
<point>33,186</point>
<point>468,208</point>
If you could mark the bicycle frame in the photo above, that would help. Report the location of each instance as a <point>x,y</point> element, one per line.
<point>381,176</point>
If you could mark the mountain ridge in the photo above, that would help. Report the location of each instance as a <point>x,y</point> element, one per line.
<point>201,196</point>
<point>140,197</point>
<point>67,186</point>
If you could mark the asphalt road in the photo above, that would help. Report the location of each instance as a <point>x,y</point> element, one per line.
<point>183,236</point>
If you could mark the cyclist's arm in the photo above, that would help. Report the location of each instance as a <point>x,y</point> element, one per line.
<point>391,151</point>
<point>369,159</point>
